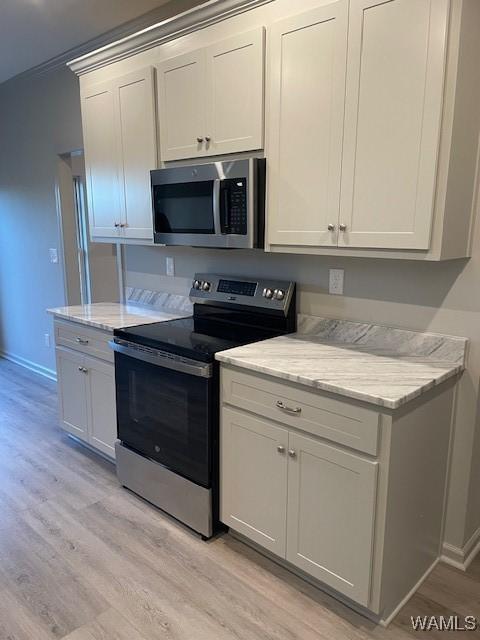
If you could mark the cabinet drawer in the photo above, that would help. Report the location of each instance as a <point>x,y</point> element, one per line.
<point>341,422</point>
<point>88,340</point>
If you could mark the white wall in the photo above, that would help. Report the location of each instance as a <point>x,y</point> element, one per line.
<point>39,118</point>
<point>439,297</point>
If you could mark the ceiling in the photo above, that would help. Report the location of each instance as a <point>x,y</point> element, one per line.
<point>34,31</point>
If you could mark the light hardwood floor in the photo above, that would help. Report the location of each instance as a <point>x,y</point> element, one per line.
<point>83,559</point>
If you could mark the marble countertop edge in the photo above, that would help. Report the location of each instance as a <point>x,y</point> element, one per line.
<point>114,315</point>
<point>343,390</point>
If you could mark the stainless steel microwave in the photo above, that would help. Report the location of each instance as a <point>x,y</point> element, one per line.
<point>220,204</point>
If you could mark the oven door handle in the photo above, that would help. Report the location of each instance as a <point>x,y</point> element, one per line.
<point>163,359</point>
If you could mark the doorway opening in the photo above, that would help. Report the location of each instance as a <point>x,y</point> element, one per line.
<point>90,269</point>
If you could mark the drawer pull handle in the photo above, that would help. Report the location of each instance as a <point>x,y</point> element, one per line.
<point>81,340</point>
<point>284,407</point>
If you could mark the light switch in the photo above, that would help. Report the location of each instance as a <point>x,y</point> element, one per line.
<point>53,255</point>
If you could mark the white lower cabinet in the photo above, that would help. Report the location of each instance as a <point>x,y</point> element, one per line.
<point>347,494</point>
<point>101,405</point>
<point>254,479</point>
<point>72,392</point>
<point>331,509</point>
<point>86,390</point>
<point>327,528</point>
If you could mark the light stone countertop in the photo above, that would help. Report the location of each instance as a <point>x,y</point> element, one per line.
<point>113,315</point>
<point>380,365</point>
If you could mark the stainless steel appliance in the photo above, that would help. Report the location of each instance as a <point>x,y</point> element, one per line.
<point>167,391</point>
<point>220,204</point>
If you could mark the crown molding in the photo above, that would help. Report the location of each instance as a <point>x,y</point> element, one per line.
<point>161,32</point>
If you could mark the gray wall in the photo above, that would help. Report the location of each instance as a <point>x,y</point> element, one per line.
<point>438,297</point>
<point>39,118</point>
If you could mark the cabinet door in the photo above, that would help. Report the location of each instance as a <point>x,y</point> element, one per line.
<point>181,106</point>
<point>101,160</point>
<point>137,135</point>
<point>102,415</point>
<point>72,392</point>
<point>394,86</point>
<point>305,125</point>
<point>331,507</point>
<point>253,487</point>
<point>235,77</point>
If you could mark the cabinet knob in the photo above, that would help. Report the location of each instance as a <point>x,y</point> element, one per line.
<point>199,140</point>
<point>281,448</point>
<point>342,227</point>
<point>117,224</point>
<point>83,369</point>
<point>292,453</point>
<point>331,227</point>
<point>207,138</point>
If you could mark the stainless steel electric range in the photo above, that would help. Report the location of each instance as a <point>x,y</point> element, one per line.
<point>167,388</point>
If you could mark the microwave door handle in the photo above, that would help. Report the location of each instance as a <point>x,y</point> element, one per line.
<point>216,207</point>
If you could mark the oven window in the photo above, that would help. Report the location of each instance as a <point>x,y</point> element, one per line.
<point>184,208</point>
<point>165,415</point>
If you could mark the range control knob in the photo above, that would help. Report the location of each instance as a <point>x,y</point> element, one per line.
<point>267,293</point>
<point>197,284</point>
<point>206,286</point>
<point>279,294</point>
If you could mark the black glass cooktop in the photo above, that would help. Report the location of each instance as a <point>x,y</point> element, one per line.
<point>200,338</point>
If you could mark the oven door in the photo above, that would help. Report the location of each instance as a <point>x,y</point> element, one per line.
<point>164,409</point>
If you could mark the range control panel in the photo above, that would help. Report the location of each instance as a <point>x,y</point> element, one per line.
<point>267,294</point>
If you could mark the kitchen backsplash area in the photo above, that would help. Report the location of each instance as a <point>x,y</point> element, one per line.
<point>157,299</point>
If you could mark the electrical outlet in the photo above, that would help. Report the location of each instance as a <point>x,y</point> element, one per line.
<point>170,266</point>
<point>47,339</point>
<point>335,281</point>
<point>53,255</point>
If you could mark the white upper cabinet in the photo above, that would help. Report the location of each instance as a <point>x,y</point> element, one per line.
<point>393,115</point>
<point>370,119</point>
<point>304,147</point>
<point>136,127</point>
<point>120,150</point>
<point>181,106</point>
<point>101,160</point>
<point>210,101</point>
<point>234,97</point>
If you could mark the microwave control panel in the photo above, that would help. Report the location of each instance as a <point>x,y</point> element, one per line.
<point>233,206</point>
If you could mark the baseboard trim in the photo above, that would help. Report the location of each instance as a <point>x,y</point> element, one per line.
<point>30,365</point>
<point>384,622</point>
<point>461,558</point>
